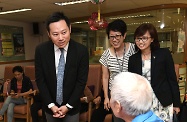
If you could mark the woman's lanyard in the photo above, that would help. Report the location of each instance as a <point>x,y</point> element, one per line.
<point>120,66</point>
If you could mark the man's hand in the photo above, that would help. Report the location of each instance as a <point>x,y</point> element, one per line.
<point>97,100</point>
<point>84,99</point>
<point>55,111</point>
<point>176,109</point>
<point>61,112</point>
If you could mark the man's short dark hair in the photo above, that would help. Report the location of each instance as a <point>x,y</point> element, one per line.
<point>55,17</point>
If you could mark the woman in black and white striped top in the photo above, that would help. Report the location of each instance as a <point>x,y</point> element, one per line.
<point>115,59</point>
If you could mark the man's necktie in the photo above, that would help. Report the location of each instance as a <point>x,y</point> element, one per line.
<point>60,77</point>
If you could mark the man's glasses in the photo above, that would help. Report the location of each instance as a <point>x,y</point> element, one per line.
<point>144,39</point>
<point>116,37</point>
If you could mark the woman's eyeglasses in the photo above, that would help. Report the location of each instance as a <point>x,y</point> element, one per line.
<point>116,37</point>
<point>144,39</point>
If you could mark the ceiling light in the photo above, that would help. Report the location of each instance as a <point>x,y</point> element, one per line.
<point>15,11</point>
<point>162,25</point>
<point>71,2</point>
<point>81,22</point>
<point>132,16</point>
<point>178,10</point>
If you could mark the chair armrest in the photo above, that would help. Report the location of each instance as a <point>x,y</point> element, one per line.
<point>90,110</point>
<point>6,86</point>
<point>32,94</point>
<point>29,96</point>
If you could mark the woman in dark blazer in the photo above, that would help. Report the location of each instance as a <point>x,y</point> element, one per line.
<point>156,64</point>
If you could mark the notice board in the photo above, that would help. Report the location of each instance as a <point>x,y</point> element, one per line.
<point>11,43</point>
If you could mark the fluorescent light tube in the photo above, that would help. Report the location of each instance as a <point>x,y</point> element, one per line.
<point>71,2</point>
<point>15,11</point>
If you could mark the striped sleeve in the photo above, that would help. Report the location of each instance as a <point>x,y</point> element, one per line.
<point>104,57</point>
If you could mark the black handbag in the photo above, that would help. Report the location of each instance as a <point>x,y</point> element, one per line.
<point>182,117</point>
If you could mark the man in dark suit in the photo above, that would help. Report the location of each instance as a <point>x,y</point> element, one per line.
<point>47,57</point>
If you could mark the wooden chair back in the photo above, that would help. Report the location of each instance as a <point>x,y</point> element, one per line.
<point>30,72</point>
<point>94,80</point>
<point>8,73</point>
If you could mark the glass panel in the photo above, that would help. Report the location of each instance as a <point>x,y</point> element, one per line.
<point>168,22</point>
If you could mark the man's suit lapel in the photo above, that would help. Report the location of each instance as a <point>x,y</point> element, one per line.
<point>51,60</point>
<point>70,54</point>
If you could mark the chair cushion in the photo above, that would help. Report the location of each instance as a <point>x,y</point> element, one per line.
<point>108,118</point>
<point>92,88</point>
<point>20,109</point>
<point>83,117</point>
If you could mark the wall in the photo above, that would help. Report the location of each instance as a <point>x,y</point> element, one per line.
<point>30,41</point>
<point>178,58</point>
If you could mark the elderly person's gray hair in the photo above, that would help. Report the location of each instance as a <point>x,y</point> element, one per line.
<point>133,92</point>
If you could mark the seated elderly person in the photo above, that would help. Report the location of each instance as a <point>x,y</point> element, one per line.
<point>131,98</point>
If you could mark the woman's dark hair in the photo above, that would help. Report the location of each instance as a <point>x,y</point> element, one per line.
<point>142,29</point>
<point>55,17</point>
<point>17,69</point>
<point>117,25</point>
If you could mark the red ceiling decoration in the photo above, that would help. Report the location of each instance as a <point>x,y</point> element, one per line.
<point>96,22</point>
